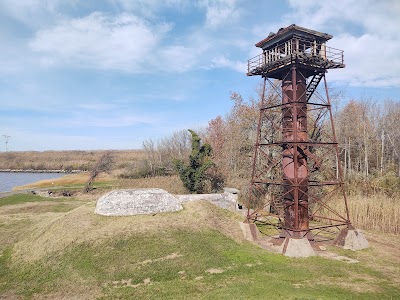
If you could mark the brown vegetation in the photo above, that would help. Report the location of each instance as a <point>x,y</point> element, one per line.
<point>70,179</point>
<point>376,212</point>
<point>65,160</point>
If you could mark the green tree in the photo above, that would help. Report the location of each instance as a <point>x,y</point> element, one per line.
<point>201,170</point>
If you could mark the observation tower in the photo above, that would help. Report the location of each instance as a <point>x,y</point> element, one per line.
<point>296,172</point>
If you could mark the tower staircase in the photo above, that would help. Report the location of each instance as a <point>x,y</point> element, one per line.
<point>312,85</point>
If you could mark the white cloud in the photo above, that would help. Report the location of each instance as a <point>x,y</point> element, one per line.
<point>368,61</point>
<point>149,8</point>
<point>140,40</point>
<point>220,12</point>
<point>177,58</point>
<point>122,42</point>
<point>374,16</point>
<point>118,120</point>
<point>223,62</point>
<point>35,13</point>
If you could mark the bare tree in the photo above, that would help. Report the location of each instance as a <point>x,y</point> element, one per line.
<point>160,154</point>
<point>103,165</point>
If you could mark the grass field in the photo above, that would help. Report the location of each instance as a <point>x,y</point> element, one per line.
<point>57,248</point>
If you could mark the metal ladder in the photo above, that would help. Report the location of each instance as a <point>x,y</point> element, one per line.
<point>312,85</point>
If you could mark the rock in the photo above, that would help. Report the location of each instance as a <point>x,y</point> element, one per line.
<point>137,201</point>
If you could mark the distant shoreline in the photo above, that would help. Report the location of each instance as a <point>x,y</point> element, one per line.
<point>39,171</point>
<point>65,161</point>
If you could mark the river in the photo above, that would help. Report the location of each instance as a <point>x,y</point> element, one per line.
<point>8,180</point>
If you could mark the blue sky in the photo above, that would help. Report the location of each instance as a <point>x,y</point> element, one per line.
<point>108,74</point>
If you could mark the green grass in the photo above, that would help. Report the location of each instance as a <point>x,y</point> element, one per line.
<point>176,264</point>
<point>59,205</point>
<point>20,199</point>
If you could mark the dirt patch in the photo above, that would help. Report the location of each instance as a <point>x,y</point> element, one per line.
<point>199,278</point>
<point>123,283</point>
<point>149,261</point>
<point>215,271</point>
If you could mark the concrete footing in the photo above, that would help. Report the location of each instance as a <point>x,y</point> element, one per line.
<point>351,239</point>
<point>290,246</point>
<point>250,231</point>
<point>297,248</point>
<point>301,247</point>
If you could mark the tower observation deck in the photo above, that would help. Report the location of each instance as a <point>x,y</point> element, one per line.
<point>297,45</point>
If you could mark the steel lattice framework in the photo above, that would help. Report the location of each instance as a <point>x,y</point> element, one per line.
<point>296,169</point>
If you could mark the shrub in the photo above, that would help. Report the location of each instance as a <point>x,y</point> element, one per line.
<point>200,174</point>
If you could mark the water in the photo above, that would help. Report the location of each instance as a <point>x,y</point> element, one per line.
<point>8,180</point>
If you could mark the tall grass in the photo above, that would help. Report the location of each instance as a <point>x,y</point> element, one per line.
<point>65,160</point>
<point>378,212</point>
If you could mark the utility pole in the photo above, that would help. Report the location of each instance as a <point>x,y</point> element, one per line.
<point>6,138</point>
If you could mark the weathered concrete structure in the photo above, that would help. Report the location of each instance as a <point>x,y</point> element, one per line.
<point>137,201</point>
<point>151,201</point>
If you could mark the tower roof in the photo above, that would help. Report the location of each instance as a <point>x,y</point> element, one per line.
<point>291,31</point>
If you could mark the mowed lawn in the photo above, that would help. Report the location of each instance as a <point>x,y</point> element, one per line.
<point>59,249</point>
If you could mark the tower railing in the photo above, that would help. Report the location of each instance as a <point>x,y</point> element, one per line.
<point>296,49</point>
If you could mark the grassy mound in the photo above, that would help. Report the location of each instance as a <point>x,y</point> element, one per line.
<point>81,225</point>
<point>197,253</point>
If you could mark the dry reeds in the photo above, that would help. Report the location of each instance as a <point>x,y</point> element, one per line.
<point>171,184</point>
<point>65,160</point>
<point>377,212</point>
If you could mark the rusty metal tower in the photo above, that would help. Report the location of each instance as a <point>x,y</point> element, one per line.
<point>296,161</point>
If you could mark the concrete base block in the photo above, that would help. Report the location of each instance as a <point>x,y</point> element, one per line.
<point>250,231</point>
<point>297,248</point>
<point>351,239</point>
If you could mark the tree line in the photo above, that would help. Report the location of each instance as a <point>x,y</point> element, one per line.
<point>367,133</point>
